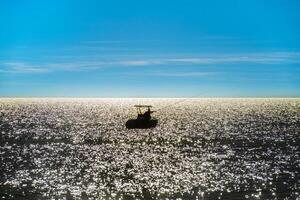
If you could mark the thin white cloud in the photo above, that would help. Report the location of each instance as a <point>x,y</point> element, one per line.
<point>75,65</point>
<point>261,58</point>
<point>172,73</point>
<point>117,41</point>
<point>139,62</point>
<point>19,67</point>
<point>271,58</point>
<point>181,74</point>
<point>23,67</point>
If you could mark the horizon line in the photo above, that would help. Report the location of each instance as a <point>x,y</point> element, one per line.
<point>127,97</point>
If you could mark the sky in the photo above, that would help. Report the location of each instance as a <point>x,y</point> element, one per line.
<point>157,48</point>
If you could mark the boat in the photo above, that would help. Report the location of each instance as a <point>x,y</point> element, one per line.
<point>143,120</point>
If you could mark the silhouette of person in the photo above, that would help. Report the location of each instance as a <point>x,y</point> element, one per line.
<point>147,114</point>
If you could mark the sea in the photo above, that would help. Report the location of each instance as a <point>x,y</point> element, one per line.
<point>201,148</point>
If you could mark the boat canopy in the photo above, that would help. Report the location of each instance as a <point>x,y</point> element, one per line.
<point>142,106</point>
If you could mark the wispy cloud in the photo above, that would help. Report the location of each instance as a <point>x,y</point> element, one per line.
<point>175,74</point>
<point>259,58</point>
<point>19,67</point>
<point>76,65</point>
<point>267,58</point>
<point>24,67</point>
<point>117,41</point>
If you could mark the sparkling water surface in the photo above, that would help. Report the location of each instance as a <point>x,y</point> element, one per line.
<point>201,149</point>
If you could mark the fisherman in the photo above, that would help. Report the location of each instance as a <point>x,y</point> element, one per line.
<point>147,114</point>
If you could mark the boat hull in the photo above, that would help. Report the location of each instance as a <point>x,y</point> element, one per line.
<point>141,124</point>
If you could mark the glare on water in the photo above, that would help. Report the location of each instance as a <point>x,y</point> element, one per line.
<point>201,149</point>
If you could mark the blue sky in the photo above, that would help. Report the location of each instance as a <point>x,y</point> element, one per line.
<point>149,48</point>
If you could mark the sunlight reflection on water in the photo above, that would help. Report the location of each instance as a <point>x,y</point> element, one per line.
<point>201,149</point>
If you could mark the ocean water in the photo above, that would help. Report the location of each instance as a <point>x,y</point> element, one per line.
<point>201,149</point>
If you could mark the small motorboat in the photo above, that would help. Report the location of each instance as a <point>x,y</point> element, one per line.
<point>143,120</point>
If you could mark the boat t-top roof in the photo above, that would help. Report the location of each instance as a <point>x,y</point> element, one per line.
<point>142,106</point>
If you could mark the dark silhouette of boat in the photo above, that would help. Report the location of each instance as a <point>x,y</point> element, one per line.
<point>143,120</point>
